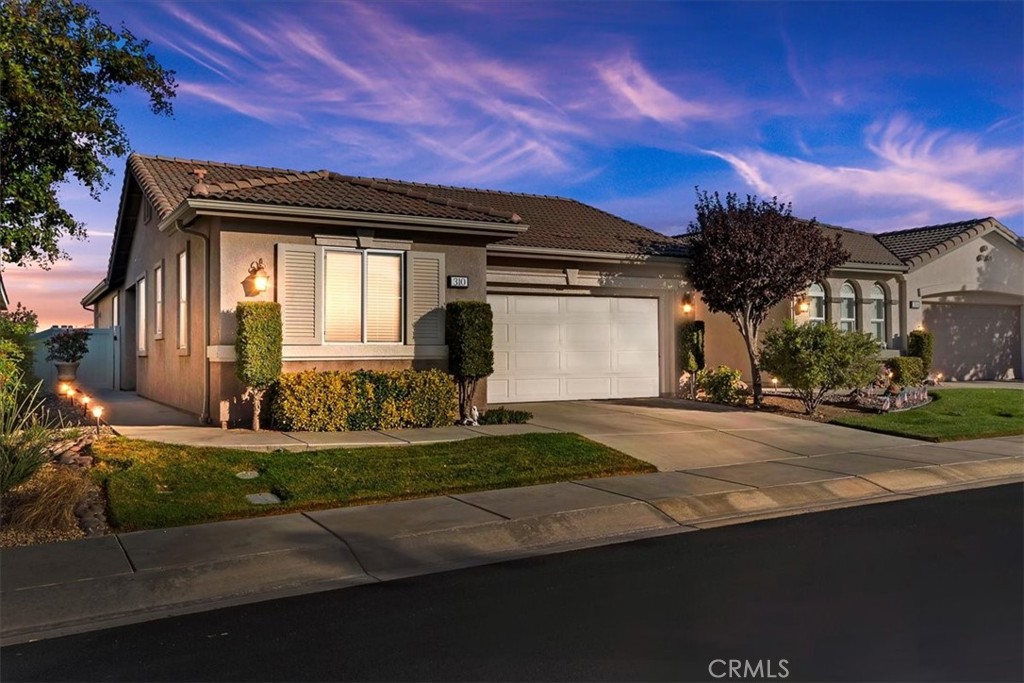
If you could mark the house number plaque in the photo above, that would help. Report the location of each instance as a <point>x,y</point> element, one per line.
<point>458,282</point>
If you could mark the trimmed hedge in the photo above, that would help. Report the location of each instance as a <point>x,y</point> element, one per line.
<point>258,343</point>
<point>469,331</point>
<point>336,401</point>
<point>907,371</point>
<point>921,344</point>
<point>503,416</point>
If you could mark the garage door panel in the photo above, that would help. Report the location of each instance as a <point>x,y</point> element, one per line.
<point>587,336</point>
<point>564,348</point>
<point>534,389</point>
<point>593,386</point>
<point>534,304</point>
<point>547,362</point>
<point>588,304</point>
<point>589,361</point>
<point>534,336</point>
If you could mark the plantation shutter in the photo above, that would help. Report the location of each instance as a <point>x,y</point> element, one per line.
<point>383,297</point>
<point>424,288</point>
<point>298,293</point>
<point>343,290</point>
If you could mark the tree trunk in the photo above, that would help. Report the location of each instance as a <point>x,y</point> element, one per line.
<point>755,368</point>
<point>257,404</point>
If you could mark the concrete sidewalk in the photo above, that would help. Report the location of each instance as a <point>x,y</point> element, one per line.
<point>60,588</point>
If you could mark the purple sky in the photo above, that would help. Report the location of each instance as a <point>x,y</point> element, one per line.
<point>873,116</point>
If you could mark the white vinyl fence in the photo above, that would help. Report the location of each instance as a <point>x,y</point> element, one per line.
<point>97,370</point>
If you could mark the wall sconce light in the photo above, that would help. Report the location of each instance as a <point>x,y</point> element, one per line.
<point>687,305</point>
<point>260,279</point>
<point>803,305</point>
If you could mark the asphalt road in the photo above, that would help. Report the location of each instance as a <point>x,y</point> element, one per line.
<point>924,589</point>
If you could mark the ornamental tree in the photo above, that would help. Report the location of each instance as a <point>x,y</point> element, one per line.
<point>258,350</point>
<point>469,331</point>
<point>60,66</point>
<point>749,256</point>
<point>814,359</point>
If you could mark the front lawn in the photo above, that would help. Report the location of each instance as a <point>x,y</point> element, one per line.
<point>953,415</point>
<point>151,485</point>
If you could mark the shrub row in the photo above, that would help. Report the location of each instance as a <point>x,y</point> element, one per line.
<point>335,401</point>
<point>907,371</point>
<point>503,416</point>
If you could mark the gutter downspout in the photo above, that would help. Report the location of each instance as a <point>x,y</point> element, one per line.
<point>204,417</point>
<point>904,311</point>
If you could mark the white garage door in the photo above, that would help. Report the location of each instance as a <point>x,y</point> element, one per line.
<point>975,341</point>
<point>557,348</point>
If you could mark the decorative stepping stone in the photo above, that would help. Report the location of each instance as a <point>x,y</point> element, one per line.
<point>262,498</point>
<point>247,474</point>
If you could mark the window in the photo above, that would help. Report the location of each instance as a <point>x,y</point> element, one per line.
<point>158,309</point>
<point>816,294</point>
<point>847,308</point>
<point>878,313</point>
<point>115,311</point>
<point>362,296</point>
<point>183,300</point>
<point>140,297</point>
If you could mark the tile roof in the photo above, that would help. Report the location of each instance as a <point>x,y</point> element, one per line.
<point>561,223</point>
<point>553,222</point>
<point>912,243</point>
<point>863,247</point>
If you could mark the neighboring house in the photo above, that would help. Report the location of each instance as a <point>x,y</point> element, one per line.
<point>586,304</point>
<point>962,281</point>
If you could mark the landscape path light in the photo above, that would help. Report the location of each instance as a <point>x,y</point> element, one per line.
<point>97,412</point>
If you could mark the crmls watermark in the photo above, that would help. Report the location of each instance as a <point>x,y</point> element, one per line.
<point>741,669</point>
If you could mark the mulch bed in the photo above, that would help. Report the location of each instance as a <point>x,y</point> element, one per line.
<point>792,407</point>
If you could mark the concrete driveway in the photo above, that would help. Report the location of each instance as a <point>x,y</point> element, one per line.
<point>675,435</point>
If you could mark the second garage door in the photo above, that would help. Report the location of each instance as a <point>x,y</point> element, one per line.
<point>556,348</point>
<point>975,341</point>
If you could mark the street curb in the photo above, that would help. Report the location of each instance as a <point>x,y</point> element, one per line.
<point>34,612</point>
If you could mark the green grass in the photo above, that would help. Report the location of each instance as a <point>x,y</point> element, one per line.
<point>953,415</point>
<point>152,485</point>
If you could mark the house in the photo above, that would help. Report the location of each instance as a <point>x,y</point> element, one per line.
<point>962,281</point>
<point>585,303</point>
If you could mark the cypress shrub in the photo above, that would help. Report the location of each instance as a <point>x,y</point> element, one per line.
<point>907,371</point>
<point>469,329</point>
<point>258,350</point>
<point>920,344</point>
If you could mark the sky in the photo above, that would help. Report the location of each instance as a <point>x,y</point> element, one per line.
<point>873,116</point>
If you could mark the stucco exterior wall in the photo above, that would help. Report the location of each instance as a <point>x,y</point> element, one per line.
<point>164,373</point>
<point>242,242</point>
<point>663,280</point>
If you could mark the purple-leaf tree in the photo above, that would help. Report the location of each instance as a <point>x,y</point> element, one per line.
<point>749,256</point>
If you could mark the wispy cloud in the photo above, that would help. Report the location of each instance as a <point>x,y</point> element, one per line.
<point>640,95</point>
<point>933,175</point>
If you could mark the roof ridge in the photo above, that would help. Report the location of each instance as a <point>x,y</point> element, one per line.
<point>394,187</point>
<point>220,164</point>
<point>463,188</point>
<point>247,183</point>
<point>970,222</point>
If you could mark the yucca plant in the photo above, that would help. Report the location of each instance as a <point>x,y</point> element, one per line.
<point>25,432</point>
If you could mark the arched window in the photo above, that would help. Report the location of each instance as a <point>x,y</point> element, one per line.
<point>816,295</point>
<point>847,308</point>
<point>878,313</point>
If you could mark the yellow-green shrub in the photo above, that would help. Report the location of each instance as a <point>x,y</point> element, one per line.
<point>335,401</point>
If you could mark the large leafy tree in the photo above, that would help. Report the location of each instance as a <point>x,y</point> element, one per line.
<point>60,66</point>
<point>750,256</point>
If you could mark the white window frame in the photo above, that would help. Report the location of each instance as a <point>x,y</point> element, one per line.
<point>876,324</point>
<point>364,253</point>
<point>183,307</point>
<point>141,328</point>
<point>158,302</point>
<point>115,310</point>
<point>811,296</point>
<point>847,324</point>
